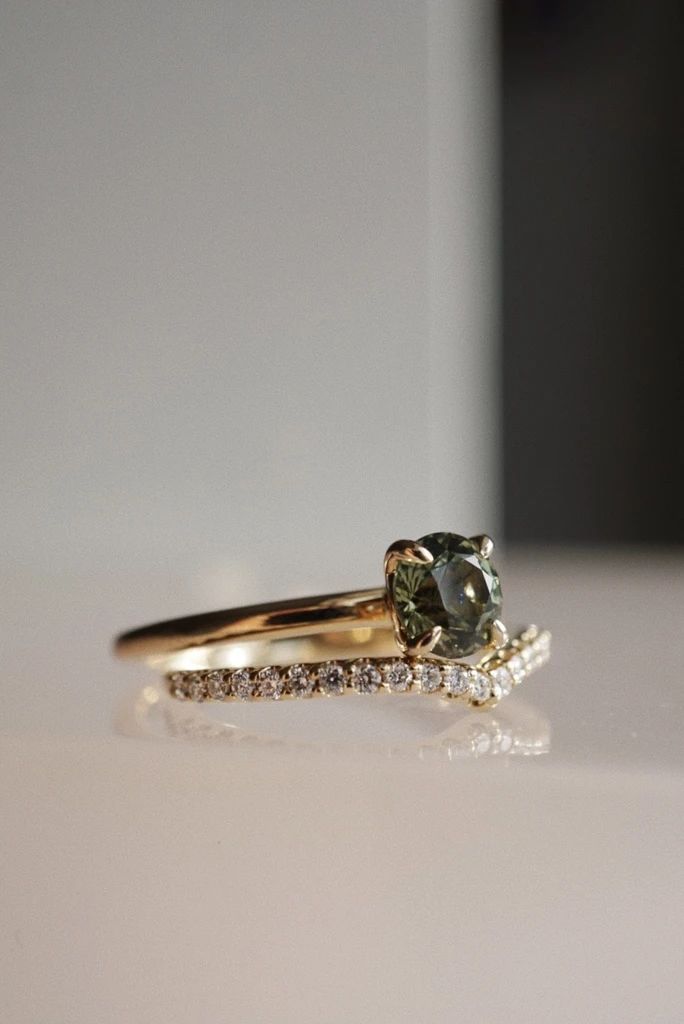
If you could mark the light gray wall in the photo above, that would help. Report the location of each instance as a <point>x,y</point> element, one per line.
<point>247,285</point>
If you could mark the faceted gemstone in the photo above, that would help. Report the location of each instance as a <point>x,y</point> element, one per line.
<point>543,643</point>
<point>365,676</point>
<point>427,676</point>
<point>299,681</point>
<point>178,685</point>
<point>541,647</point>
<point>503,678</point>
<point>397,675</point>
<point>331,678</point>
<point>480,686</point>
<point>495,691</point>
<point>459,591</point>
<point>456,680</point>
<point>527,655</point>
<point>242,684</point>
<point>516,666</point>
<point>196,686</point>
<point>217,684</point>
<point>269,682</point>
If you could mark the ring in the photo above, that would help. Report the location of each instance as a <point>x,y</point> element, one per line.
<point>441,604</point>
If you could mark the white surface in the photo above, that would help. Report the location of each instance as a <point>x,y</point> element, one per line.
<point>246,325</point>
<point>247,281</point>
<point>348,861</point>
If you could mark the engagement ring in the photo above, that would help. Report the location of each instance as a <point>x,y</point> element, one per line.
<point>440,605</point>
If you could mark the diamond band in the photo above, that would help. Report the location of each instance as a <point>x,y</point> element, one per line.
<point>478,685</point>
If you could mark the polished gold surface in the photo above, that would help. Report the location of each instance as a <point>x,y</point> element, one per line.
<point>282,620</point>
<point>423,644</point>
<point>498,634</point>
<point>405,551</point>
<point>485,544</point>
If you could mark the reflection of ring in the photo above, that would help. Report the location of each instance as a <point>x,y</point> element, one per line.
<point>514,730</point>
<point>441,603</point>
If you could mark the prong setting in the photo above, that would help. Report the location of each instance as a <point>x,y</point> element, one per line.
<point>498,634</point>
<point>484,544</point>
<point>444,579</point>
<point>405,551</point>
<point>422,645</point>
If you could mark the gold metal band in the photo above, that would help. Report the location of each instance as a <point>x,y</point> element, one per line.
<point>304,627</point>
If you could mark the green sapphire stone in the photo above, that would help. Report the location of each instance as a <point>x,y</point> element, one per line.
<point>459,591</point>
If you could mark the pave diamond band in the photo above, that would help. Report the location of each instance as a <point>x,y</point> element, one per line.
<point>480,685</point>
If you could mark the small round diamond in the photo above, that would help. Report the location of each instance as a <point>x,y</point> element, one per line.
<point>503,678</point>
<point>480,686</point>
<point>365,676</point>
<point>269,683</point>
<point>217,684</point>
<point>543,641</point>
<point>331,678</point>
<point>516,666</point>
<point>456,680</point>
<point>495,692</point>
<point>196,687</point>
<point>178,686</point>
<point>542,648</point>
<point>397,675</point>
<point>242,684</point>
<point>427,676</point>
<point>299,681</point>
<point>527,654</point>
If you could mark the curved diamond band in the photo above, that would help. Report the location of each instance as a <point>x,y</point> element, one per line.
<point>480,685</point>
<point>440,604</point>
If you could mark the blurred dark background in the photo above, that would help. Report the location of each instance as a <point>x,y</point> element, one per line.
<point>592,263</point>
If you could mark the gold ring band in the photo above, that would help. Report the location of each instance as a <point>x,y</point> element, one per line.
<point>440,604</point>
<point>299,626</point>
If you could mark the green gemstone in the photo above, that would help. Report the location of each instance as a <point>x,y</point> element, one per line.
<point>459,591</point>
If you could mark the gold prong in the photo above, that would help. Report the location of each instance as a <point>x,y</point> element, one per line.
<point>422,645</point>
<point>405,551</point>
<point>484,544</point>
<point>498,634</point>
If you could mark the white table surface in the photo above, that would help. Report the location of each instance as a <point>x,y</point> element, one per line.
<point>385,861</point>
